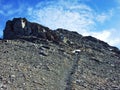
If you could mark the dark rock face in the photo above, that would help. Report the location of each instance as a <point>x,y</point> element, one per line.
<point>20,27</point>
<point>14,28</point>
<point>29,60</point>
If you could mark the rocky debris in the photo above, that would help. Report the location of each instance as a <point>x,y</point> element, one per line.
<point>43,59</point>
<point>27,69</point>
<point>95,73</point>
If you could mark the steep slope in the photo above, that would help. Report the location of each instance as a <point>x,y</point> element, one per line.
<point>30,66</point>
<point>55,60</point>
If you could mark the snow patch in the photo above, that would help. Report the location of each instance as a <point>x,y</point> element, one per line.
<point>76,51</point>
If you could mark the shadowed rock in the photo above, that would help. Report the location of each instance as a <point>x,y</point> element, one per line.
<point>20,27</point>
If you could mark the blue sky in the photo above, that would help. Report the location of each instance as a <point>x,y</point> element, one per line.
<point>98,18</point>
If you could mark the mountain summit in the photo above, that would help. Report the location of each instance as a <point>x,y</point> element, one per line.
<point>34,57</point>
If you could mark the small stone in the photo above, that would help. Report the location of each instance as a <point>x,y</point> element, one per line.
<point>112,65</point>
<point>12,76</point>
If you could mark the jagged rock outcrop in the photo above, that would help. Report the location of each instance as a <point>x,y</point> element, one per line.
<point>30,61</point>
<point>21,27</point>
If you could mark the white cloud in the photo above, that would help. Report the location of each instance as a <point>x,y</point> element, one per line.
<point>8,9</point>
<point>118,1</point>
<point>110,36</point>
<point>8,6</point>
<point>114,38</point>
<point>103,35</point>
<point>2,12</point>
<point>104,16</point>
<point>72,16</point>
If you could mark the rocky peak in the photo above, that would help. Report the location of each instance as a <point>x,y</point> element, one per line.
<point>21,27</point>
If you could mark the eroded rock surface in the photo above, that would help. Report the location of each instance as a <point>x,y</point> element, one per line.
<point>21,27</point>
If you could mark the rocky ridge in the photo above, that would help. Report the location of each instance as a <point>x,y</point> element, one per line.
<point>34,57</point>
